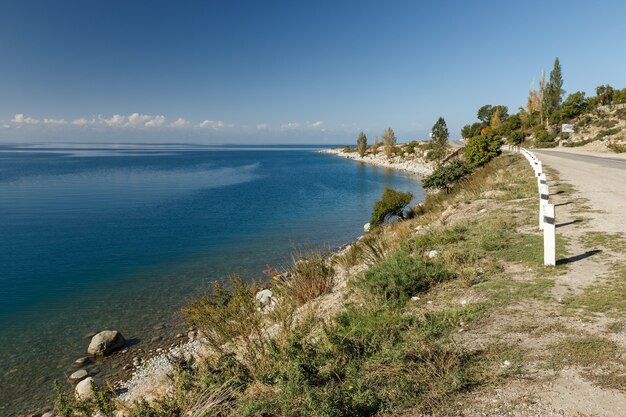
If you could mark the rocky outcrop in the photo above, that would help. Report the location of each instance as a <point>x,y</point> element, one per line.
<point>106,342</point>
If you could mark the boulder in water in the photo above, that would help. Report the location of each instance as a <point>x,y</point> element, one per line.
<point>106,342</point>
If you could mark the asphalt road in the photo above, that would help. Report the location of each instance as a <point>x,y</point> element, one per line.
<point>603,161</point>
<point>600,178</point>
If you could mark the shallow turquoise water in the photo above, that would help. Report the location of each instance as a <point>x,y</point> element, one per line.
<point>95,237</point>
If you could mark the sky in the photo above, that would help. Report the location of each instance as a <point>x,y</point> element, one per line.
<point>287,71</point>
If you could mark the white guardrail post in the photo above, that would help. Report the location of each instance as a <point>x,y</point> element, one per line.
<point>544,193</point>
<point>546,210</point>
<point>549,235</point>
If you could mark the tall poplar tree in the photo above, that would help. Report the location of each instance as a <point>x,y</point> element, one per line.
<point>555,87</point>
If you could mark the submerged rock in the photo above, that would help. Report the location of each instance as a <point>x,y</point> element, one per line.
<point>82,361</point>
<point>84,389</point>
<point>78,375</point>
<point>106,342</point>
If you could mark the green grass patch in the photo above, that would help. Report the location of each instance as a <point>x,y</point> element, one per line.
<point>504,291</point>
<point>608,297</point>
<point>585,351</point>
<point>401,276</point>
<point>612,241</point>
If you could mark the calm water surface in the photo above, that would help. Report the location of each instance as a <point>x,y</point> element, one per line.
<point>120,237</point>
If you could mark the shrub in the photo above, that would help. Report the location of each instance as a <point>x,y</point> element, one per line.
<point>229,319</point>
<point>542,135</point>
<point>516,137</point>
<point>481,149</point>
<point>401,276</point>
<point>616,147</point>
<point>311,276</point>
<point>361,144</point>
<point>608,132</point>
<point>392,203</point>
<point>389,140</point>
<point>619,96</point>
<point>446,175</point>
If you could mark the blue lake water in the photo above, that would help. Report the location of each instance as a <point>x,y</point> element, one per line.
<point>95,237</point>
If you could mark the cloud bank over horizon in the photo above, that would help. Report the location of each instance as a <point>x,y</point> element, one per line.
<point>138,126</point>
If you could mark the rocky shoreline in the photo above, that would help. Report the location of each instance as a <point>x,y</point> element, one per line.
<point>403,163</point>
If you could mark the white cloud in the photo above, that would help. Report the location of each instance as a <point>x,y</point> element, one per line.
<point>262,126</point>
<point>115,120</point>
<point>156,121</point>
<point>20,118</point>
<point>290,125</point>
<point>137,119</point>
<point>6,126</point>
<point>319,123</point>
<point>211,124</point>
<point>81,122</point>
<point>180,122</point>
<point>54,121</point>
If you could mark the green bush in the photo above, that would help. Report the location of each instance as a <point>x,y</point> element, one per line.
<point>481,149</point>
<point>619,96</point>
<point>516,137</point>
<point>402,276</point>
<point>608,132</point>
<point>542,135</point>
<point>392,203</point>
<point>446,175</point>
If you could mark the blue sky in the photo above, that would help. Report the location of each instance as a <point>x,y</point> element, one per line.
<point>286,71</point>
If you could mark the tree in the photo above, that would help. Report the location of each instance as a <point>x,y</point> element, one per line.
<point>503,112</point>
<point>574,105</point>
<point>484,113</point>
<point>472,130</point>
<point>481,149</point>
<point>533,103</point>
<point>555,87</point>
<point>495,123</point>
<point>392,203</point>
<point>543,98</point>
<point>361,144</point>
<point>440,139</point>
<point>389,139</point>
<point>445,176</point>
<point>605,94</point>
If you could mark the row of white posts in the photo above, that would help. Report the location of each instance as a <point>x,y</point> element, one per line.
<point>546,210</point>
